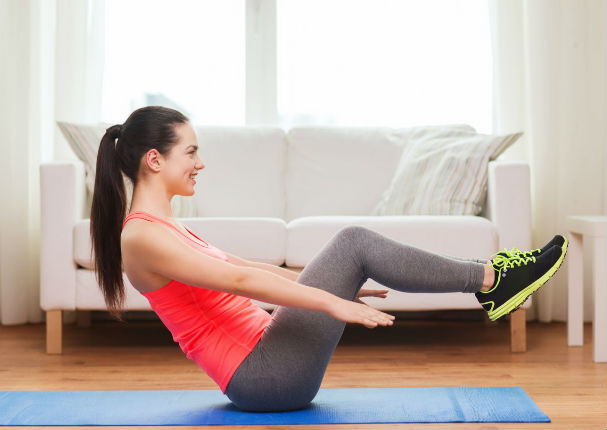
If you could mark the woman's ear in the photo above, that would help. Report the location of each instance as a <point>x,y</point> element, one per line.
<point>153,160</point>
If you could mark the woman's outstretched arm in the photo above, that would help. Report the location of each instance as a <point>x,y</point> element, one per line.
<point>271,288</point>
<point>285,273</point>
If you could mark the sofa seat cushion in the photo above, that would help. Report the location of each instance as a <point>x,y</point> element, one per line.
<point>257,239</point>
<point>458,235</point>
<point>89,296</point>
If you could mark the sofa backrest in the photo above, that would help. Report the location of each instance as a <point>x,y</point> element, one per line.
<point>261,171</point>
<point>339,170</point>
<point>244,172</point>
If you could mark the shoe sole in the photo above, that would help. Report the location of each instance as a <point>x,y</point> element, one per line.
<point>521,297</point>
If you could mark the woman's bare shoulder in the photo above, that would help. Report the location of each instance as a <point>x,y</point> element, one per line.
<point>135,235</point>
<point>135,232</point>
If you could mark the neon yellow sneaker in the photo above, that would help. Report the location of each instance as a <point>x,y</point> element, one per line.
<point>517,276</point>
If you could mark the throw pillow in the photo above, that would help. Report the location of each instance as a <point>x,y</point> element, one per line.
<point>442,175</point>
<point>84,140</point>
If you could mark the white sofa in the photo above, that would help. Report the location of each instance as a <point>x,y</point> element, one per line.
<point>276,197</point>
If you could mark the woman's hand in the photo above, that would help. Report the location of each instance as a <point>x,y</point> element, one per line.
<point>364,292</point>
<point>348,311</point>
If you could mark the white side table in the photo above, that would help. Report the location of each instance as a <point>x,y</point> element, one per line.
<point>590,228</point>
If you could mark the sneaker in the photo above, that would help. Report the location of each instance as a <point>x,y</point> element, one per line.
<point>517,277</point>
<point>556,240</point>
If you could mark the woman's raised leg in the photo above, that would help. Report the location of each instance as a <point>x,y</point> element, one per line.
<point>285,369</point>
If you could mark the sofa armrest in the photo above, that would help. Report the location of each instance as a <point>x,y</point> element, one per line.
<point>508,203</point>
<point>62,201</point>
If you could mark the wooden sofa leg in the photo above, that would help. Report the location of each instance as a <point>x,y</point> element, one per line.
<point>54,328</point>
<point>518,331</point>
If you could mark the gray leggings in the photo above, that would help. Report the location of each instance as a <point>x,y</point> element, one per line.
<point>286,367</point>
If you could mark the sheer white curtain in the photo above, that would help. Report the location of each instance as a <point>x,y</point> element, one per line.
<point>550,82</point>
<point>56,52</point>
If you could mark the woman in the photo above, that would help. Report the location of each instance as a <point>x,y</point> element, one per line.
<point>203,295</point>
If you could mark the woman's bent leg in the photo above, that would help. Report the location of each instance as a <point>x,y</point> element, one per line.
<point>285,369</point>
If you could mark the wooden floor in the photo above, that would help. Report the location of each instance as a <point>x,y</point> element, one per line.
<point>140,355</point>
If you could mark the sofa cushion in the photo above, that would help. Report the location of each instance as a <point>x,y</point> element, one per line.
<point>344,170</point>
<point>244,174</point>
<point>259,239</point>
<point>84,139</point>
<point>460,236</point>
<point>256,239</point>
<point>89,295</point>
<point>442,174</point>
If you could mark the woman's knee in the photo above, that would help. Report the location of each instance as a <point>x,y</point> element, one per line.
<point>352,237</point>
<point>352,232</point>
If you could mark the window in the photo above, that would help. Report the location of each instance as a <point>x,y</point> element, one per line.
<point>340,62</point>
<point>185,54</point>
<point>379,62</point>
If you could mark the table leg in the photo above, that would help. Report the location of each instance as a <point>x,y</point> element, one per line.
<point>599,281</point>
<point>575,289</point>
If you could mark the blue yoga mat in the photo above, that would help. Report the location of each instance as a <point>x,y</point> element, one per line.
<point>211,407</point>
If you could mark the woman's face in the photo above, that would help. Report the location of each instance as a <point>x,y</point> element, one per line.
<point>182,163</point>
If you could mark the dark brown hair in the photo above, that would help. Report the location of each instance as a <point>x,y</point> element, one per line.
<point>150,127</point>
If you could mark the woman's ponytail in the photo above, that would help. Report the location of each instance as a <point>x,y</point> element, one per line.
<point>120,153</point>
<point>107,214</point>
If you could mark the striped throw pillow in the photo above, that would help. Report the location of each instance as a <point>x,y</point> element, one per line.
<point>442,174</point>
<point>84,139</point>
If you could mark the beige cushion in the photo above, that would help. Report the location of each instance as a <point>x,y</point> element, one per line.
<point>84,139</point>
<point>442,172</point>
<point>344,170</point>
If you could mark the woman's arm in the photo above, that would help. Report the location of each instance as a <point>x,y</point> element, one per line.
<point>281,271</point>
<point>271,288</point>
<point>285,273</point>
<point>263,285</point>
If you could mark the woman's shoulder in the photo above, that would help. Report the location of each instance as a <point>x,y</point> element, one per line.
<point>136,229</point>
<point>134,240</point>
<point>139,234</point>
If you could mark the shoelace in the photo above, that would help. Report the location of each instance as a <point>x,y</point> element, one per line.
<point>510,261</point>
<point>515,251</point>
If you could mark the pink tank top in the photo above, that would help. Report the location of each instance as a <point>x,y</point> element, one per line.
<point>217,330</point>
